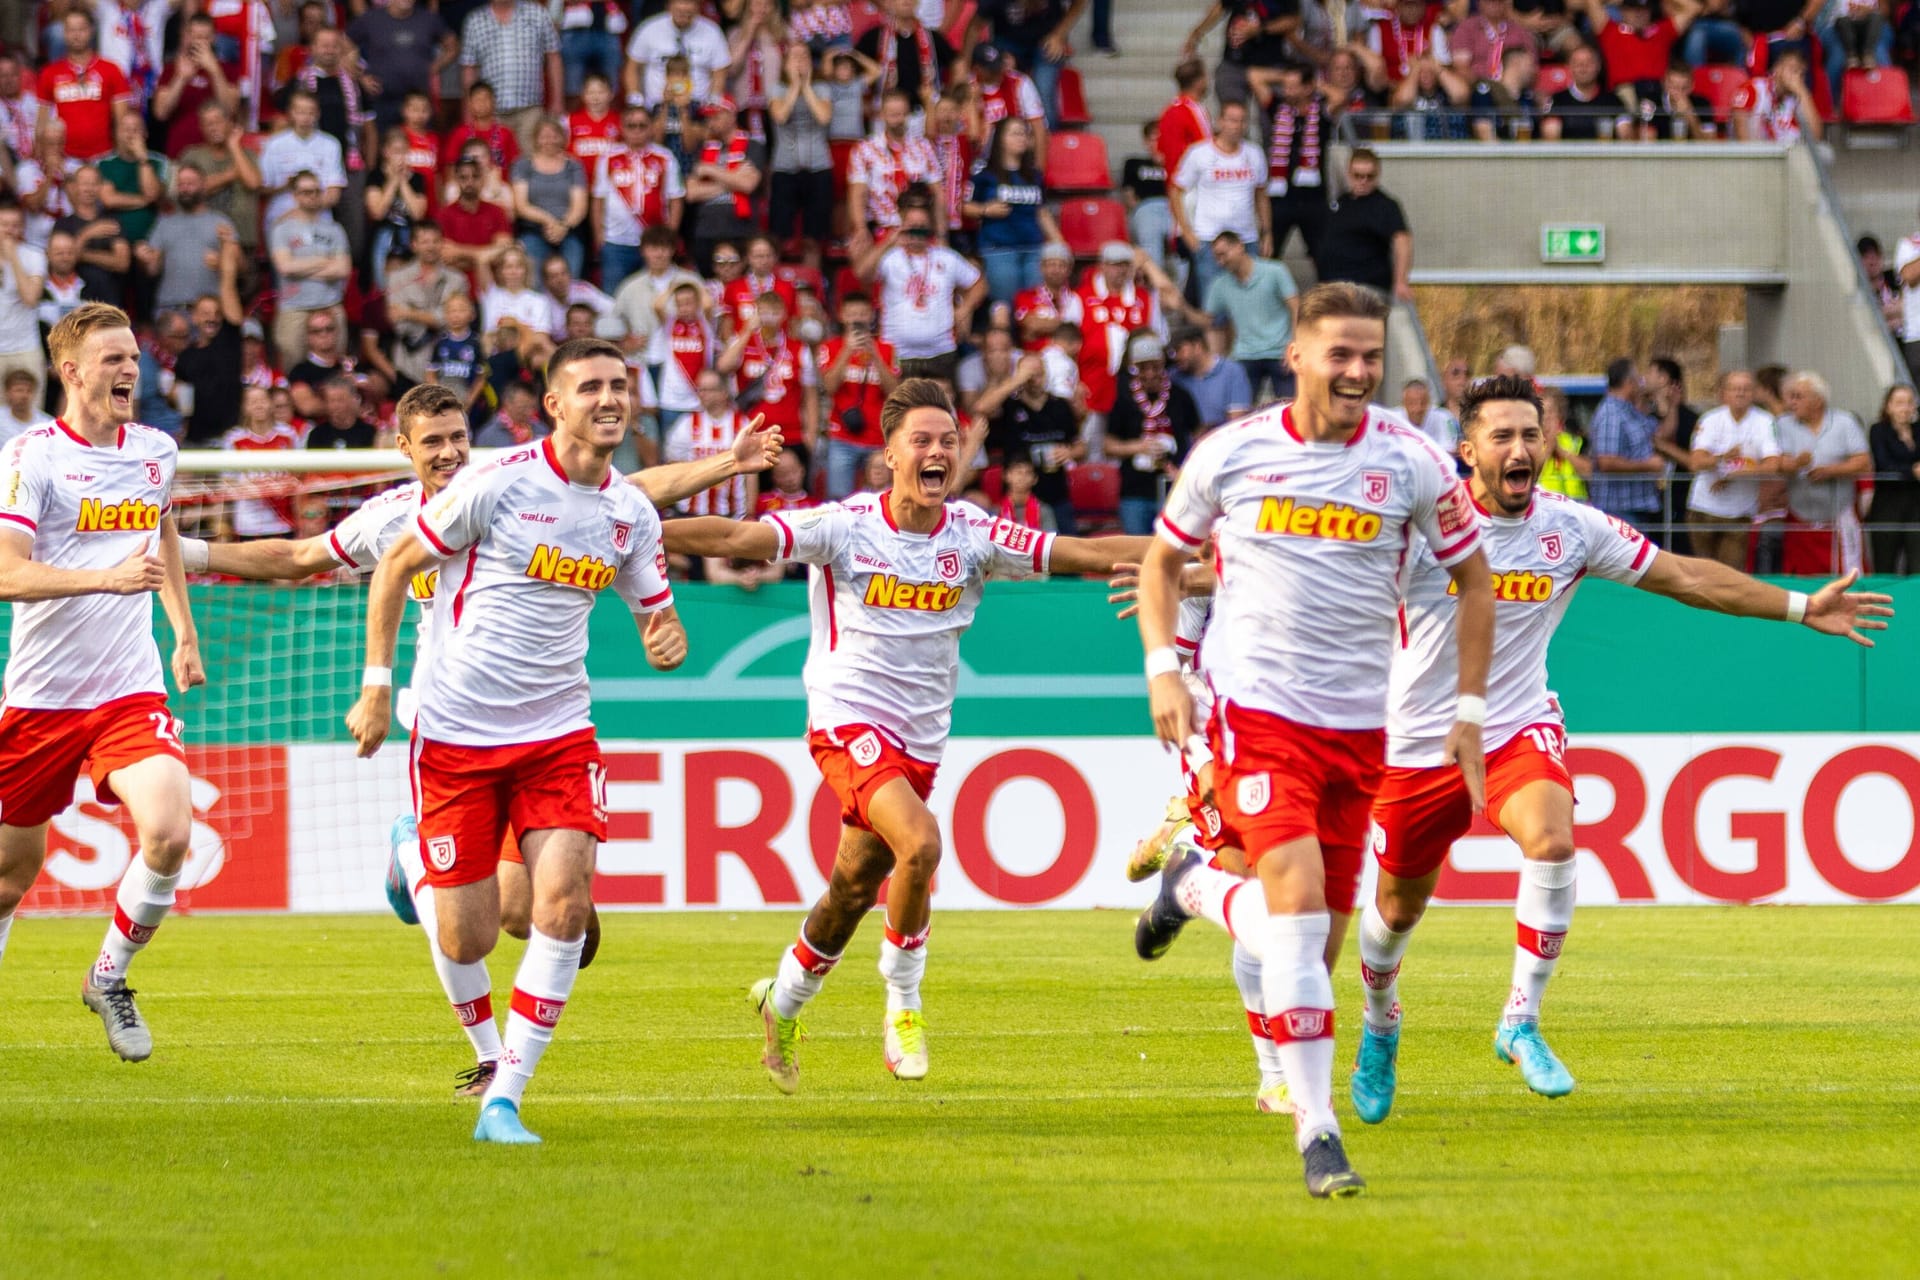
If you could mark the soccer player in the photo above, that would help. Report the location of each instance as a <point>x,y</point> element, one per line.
<point>897,577</point>
<point>1541,545</point>
<point>503,738</point>
<point>86,536</point>
<point>1312,506</point>
<point>432,432</point>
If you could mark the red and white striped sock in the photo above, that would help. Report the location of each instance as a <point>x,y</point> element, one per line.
<point>1246,976</point>
<point>143,902</point>
<point>469,987</point>
<point>1542,914</point>
<point>1296,987</point>
<point>903,962</point>
<point>1380,951</point>
<point>540,992</point>
<point>1216,895</point>
<point>803,971</point>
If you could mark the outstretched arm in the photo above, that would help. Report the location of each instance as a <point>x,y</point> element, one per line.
<point>187,671</point>
<point>1707,584</point>
<point>267,560</point>
<point>718,536</point>
<point>754,450</point>
<point>1095,555</point>
<point>1196,579</point>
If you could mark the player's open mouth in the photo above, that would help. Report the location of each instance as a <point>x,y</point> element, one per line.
<point>1518,479</point>
<point>933,478</point>
<point>609,420</point>
<point>447,467</point>
<point>121,393</point>
<point>1349,395</point>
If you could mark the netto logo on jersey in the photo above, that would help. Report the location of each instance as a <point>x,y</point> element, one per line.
<point>590,572</point>
<point>1520,586</point>
<point>99,516</point>
<point>885,591</point>
<point>1332,520</point>
<point>422,585</point>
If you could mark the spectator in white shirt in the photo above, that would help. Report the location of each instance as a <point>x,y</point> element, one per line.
<point>301,148</point>
<point>682,31</point>
<point>1733,445</point>
<point>1824,452</point>
<point>23,272</point>
<point>1430,419</point>
<point>22,412</point>
<point>1227,177</point>
<point>1906,268</point>
<point>928,294</point>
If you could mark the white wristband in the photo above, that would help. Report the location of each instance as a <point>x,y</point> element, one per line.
<point>1472,709</point>
<point>1796,606</point>
<point>377,677</point>
<point>1164,661</point>
<point>193,555</point>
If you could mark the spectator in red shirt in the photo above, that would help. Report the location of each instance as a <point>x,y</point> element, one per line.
<point>593,132</point>
<point>1637,49</point>
<point>1185,121</point>
<point>477,232</point>
<point>482,125</point>
<point>88,93</point>
<point>191,80</point>
<point>783,370</point>
<point>859,371</point>
<point>423,144</point>
<point>741,297</point>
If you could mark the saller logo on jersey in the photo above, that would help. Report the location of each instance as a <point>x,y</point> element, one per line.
<point>1519,586</point>
<point>99,516</point>
<point>590,572</point>
<point>1333,520</point>
<point>885,591</point>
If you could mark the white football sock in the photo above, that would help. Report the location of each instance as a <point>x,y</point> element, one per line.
<point>6,927</point>
<point>1246,976</point>
<point>1215,895</point>
<point>903,962</point>
<point>144,899</point>
<point>1298,994</point>
<point>1380,952</point>
<point>1542,914</point>
<point>803,971</point>
<point>469,987</point>
<point>540,992</point>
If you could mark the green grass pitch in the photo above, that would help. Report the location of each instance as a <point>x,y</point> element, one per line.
<point>1747,1107</point>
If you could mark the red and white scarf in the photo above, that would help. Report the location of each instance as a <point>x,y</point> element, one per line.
<point>1285,121</point>
<point>1154,419</point>
<point>1400,44</point>
<point>1027,513</point>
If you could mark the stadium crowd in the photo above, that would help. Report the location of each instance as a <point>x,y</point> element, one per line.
<point>783,209</point>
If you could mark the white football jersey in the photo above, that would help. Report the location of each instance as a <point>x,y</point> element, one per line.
<point>889,607</point>
<point>528,553</point>
<point>86,508</point>
<point>1310,542</point>
<point>362,538</point>
<point>1537,561</point>
<point>1189,629</point>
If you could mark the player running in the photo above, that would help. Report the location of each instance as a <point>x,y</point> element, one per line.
<point>432,433</point>
<point>1312,507</point>
<point>503,739</point>
<point>897,577</point>
<point>86,536</point>
<point>1541,545</point>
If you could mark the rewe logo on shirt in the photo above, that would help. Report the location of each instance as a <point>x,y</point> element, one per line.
<point>100,516</point>
<point>1332,520</point>
<point>1518,586</point>
<point>885,591</point>
<point>589,572</point>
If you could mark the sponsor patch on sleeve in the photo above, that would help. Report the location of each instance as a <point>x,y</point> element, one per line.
<point>1455,510</point>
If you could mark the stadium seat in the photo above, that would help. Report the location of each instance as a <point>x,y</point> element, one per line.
<point>990,483</point>
<point>1094,490</point>
<point>1078,162</point>
<point>1073,100</point>
<point>1087,224</point>
<point>1880,96</point>
<point>1719,85</point>
<point>963,20</point>
<point>1554,77</point>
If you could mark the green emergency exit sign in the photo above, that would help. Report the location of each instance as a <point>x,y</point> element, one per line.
<point>1573,242</point>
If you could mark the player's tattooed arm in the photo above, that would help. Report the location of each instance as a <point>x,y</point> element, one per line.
<point>372,714</point>
<point>754,450</point>
<point>187,669</point>
<point>22,578</point>
<point>1707,584</point>
<point>718,536</point>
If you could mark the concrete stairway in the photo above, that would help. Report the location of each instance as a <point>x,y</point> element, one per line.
<point>1125,92</point>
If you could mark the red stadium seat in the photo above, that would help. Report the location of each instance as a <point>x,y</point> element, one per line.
<point>1094,490</point>
<point>956,33</point>
<point>1073,100</point>
<point>1088,224</point>
<point>1078,162</point>
<point>1879,96</point>
<point>1719,85</point>
<point>1553,77</point>
<point>990,483</point>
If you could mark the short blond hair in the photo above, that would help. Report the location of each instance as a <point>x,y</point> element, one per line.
<point>64,343</point>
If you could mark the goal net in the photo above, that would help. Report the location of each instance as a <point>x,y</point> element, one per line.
<point>285,815</point>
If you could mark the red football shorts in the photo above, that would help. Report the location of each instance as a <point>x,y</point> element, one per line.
<point>1277,781</point>
<point>857,760</point>
<point>42,752</point>
<point>1201,811</point>
<point>1421,812</point>
<point>471,800</point>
